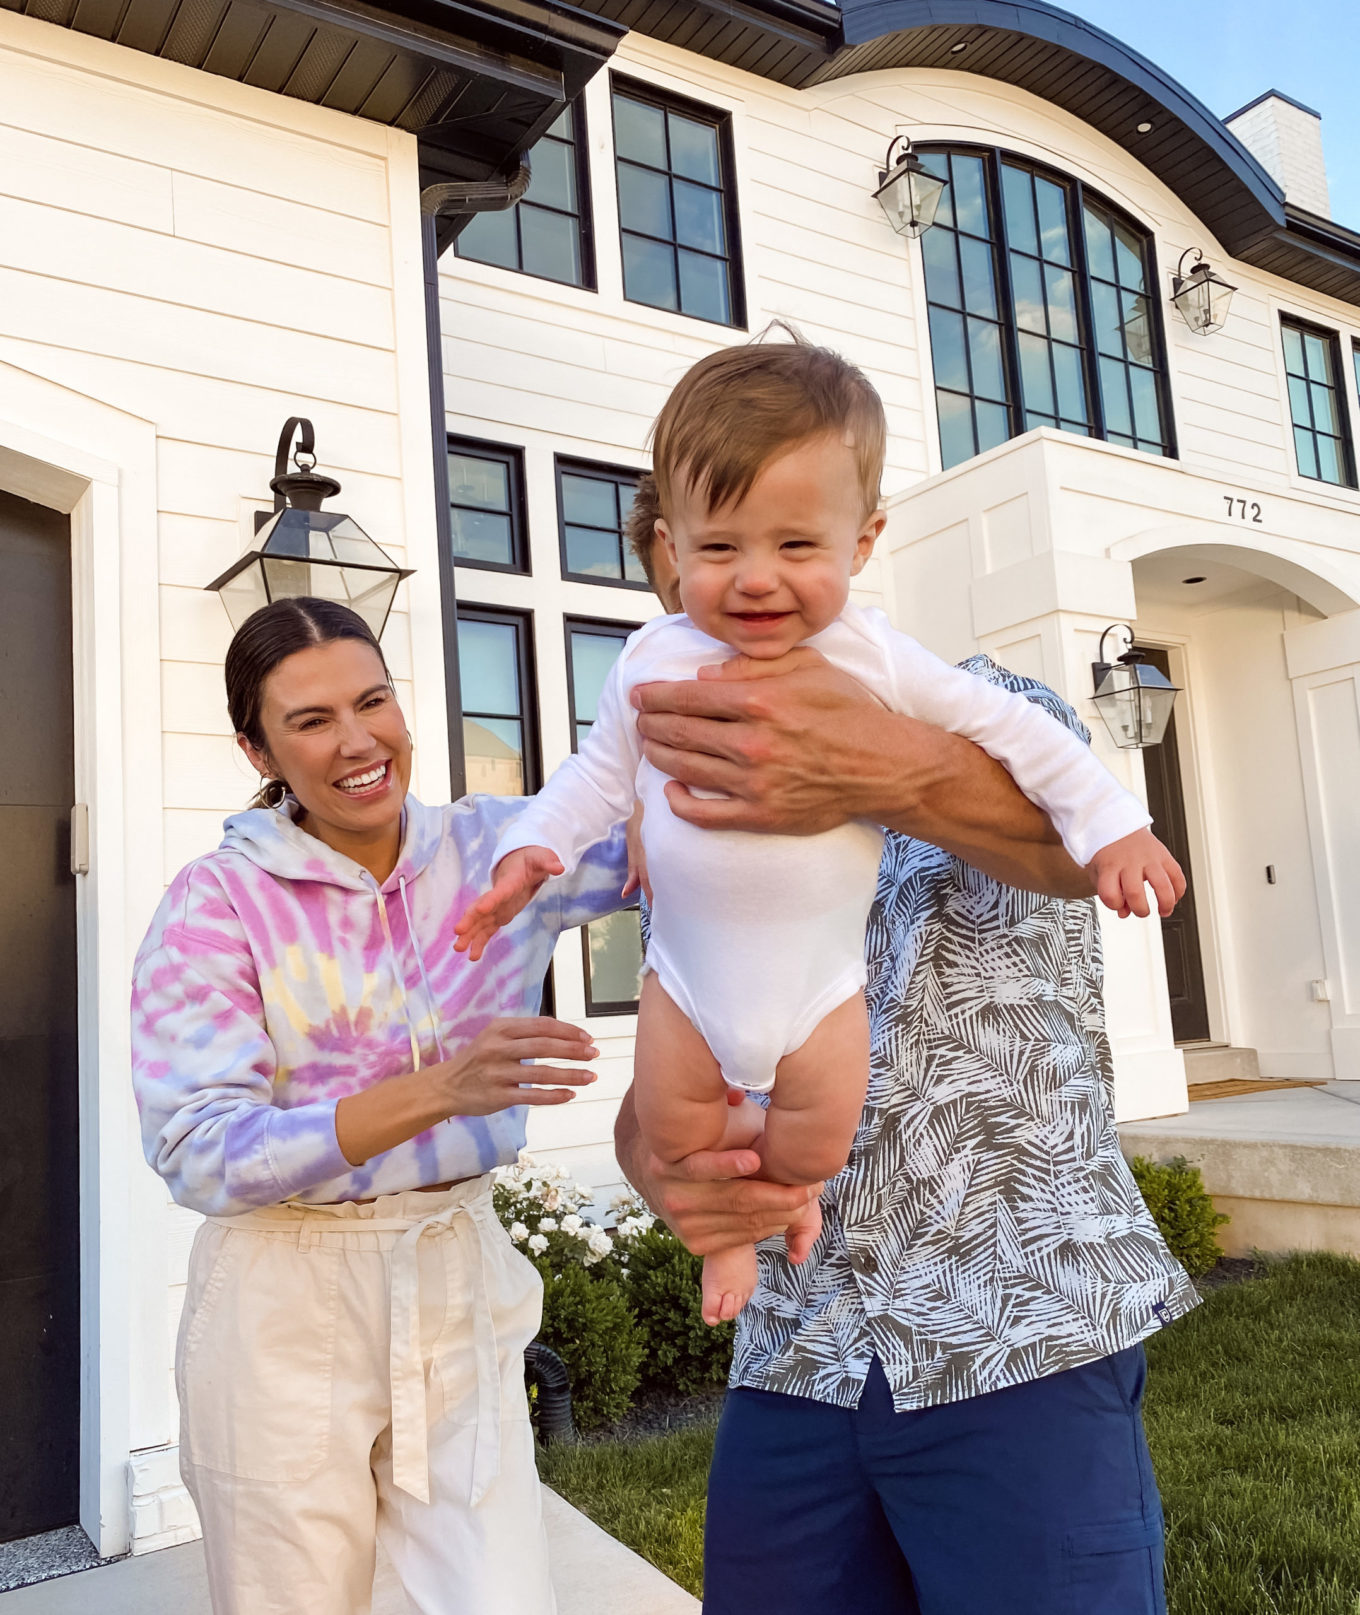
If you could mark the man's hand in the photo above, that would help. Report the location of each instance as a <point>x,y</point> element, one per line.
<point>710,1200</point>
<point>1123,870</point>
<point>799,747</point>
<point>790,743</point>
<point>513,884</point>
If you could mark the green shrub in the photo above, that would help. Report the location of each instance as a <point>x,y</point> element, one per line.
<point>587,1321</point>
<point>1182,1209</point>
<point>682,1352</point>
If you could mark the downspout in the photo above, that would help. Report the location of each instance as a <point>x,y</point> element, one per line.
<point>461,197</point>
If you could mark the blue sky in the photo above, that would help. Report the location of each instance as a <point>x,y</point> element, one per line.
<point>1227,52</point>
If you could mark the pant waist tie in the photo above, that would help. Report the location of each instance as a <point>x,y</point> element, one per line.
<point>410,1419</point>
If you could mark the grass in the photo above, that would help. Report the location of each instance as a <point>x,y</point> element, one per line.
<point>1253,1416</point>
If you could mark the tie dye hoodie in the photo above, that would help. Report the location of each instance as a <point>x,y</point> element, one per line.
<point>278,976</point>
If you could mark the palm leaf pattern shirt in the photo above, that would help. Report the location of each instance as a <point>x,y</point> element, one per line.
<point>986,1230</point>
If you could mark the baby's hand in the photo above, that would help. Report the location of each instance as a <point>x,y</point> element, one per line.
<point>513,884</point>
<point>637,858</point>
<point>1125,867</point>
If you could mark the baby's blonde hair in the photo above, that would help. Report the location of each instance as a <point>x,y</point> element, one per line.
<point>739,408</point>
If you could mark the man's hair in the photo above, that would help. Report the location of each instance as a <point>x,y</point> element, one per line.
<point>741,407</point>
<point>639,526</point>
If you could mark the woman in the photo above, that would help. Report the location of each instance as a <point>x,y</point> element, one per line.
<point>323,1076</point>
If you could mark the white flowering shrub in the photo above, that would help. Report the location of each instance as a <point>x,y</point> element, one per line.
<point>541,1207</point>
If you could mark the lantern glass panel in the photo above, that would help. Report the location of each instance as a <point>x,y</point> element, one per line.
<point>1135,701</point>
<point>244,594</point>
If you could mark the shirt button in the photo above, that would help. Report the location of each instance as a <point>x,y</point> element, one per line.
<point>867,1262</point>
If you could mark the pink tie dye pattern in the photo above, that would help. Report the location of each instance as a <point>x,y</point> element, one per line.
<point>277,977</point>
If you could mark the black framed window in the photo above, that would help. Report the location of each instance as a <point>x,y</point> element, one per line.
<point>500,706</point>
<point>1317,404</point>
<point>486,506</point>
<point>593,502</point>
<point>611,948</point>
<point>677,205</point>
<point>592,649</point>
<point>548,232</point>
<point>1040,308</point>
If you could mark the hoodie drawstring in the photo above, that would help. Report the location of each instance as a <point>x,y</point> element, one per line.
<point>416,1061</point>
<point>420,961</point>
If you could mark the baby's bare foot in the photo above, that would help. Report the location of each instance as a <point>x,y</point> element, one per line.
<point>729,1278</point>
<point>801,1234</point>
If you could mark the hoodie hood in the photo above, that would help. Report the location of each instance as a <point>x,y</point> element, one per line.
<point>271,839</point>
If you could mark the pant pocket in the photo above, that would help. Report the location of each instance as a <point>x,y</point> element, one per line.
<point>257,1358</point>
<point>1115,1568</point>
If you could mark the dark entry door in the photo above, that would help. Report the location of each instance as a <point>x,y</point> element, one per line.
<point>1180,932</point>
<point>39,1249</point>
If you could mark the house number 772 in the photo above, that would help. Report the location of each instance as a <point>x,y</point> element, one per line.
<point>1242,510</point>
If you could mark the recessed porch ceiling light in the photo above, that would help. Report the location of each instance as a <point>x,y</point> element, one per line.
<point>1193,580</point>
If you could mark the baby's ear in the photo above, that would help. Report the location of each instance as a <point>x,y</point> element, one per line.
<point>664,534</point>
<point>869,535</point>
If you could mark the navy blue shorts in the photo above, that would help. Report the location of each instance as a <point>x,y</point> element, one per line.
<point>1038,1499</point>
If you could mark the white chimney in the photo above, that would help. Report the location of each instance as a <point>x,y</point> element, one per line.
<point>1285,137</point>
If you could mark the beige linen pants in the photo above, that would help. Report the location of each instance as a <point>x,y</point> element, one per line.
<point>353,1371</point>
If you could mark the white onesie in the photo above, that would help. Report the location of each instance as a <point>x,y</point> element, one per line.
<point>758,937</point>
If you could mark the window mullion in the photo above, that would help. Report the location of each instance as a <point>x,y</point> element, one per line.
<point>1010,342</point>
<point>1090,359</point>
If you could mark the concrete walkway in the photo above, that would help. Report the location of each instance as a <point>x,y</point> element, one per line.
<point>593,1575</point>
<point>1284,1165</point>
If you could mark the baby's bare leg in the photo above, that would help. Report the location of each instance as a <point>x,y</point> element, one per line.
<point>682,1106</point>
<point>818,1097</point>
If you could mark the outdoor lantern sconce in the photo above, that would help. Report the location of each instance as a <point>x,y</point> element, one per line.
<point>908,191</point>
<point>1134,699</point>
<point>304,550</point>
<point>1201,296</point>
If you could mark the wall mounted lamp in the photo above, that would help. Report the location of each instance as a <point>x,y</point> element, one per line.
<point>907,190</point>
<point>1133,698</point>
<point>1201,296</point>
<point>303,550</point>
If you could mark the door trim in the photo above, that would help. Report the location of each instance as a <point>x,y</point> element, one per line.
<point>97,465</point>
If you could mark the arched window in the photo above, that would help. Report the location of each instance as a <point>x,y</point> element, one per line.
<point>1043,310</point>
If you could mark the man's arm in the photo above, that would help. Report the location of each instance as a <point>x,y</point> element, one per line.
<point>708,1200</point>
<point>799,747</point>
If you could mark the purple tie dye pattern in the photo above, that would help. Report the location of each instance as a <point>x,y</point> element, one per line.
<point>277,977</point>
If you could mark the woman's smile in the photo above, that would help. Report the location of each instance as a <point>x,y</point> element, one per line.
<point>367,782</point>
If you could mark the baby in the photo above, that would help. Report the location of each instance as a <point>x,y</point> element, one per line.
<point>767,465</point>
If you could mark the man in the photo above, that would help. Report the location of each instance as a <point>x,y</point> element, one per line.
<point>937,1413</point>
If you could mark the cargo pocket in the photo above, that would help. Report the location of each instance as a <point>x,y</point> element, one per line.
<point>1115,1568</point>
<point>256,1358</point>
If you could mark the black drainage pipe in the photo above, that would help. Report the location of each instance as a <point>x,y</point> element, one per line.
<point>544,1369</point>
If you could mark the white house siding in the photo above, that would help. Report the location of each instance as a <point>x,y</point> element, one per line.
<point>202,260</point>
<point>558,369</point>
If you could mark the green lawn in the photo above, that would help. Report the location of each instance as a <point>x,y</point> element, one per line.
<point>1253,1415</point>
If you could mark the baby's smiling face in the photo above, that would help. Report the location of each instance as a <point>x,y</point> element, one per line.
<point>768,573</point>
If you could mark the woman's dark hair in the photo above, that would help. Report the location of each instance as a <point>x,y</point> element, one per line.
<point>265,639</point>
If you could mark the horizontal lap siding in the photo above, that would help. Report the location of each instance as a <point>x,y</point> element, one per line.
<point>212,260</point>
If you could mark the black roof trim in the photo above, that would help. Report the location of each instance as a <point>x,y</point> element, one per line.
<point>1275,95</point>
<point>477,81</point>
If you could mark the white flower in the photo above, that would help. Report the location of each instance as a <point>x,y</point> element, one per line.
<point>571,1224</point>
<point>599,1242</point>
<point>537,1244</point>
<point>518,1232</point>
<point>547,1225</point>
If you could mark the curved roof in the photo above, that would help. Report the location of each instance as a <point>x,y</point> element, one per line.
<point>1049,53</point>
<point>1088,73</point>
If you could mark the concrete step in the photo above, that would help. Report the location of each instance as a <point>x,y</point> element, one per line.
<point>1284,1164</point>
<point>1219,1062</point>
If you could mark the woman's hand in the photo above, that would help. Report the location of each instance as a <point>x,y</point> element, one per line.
<point>637,858</point>
<point>488,1075</point>
<point>514,882</point>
